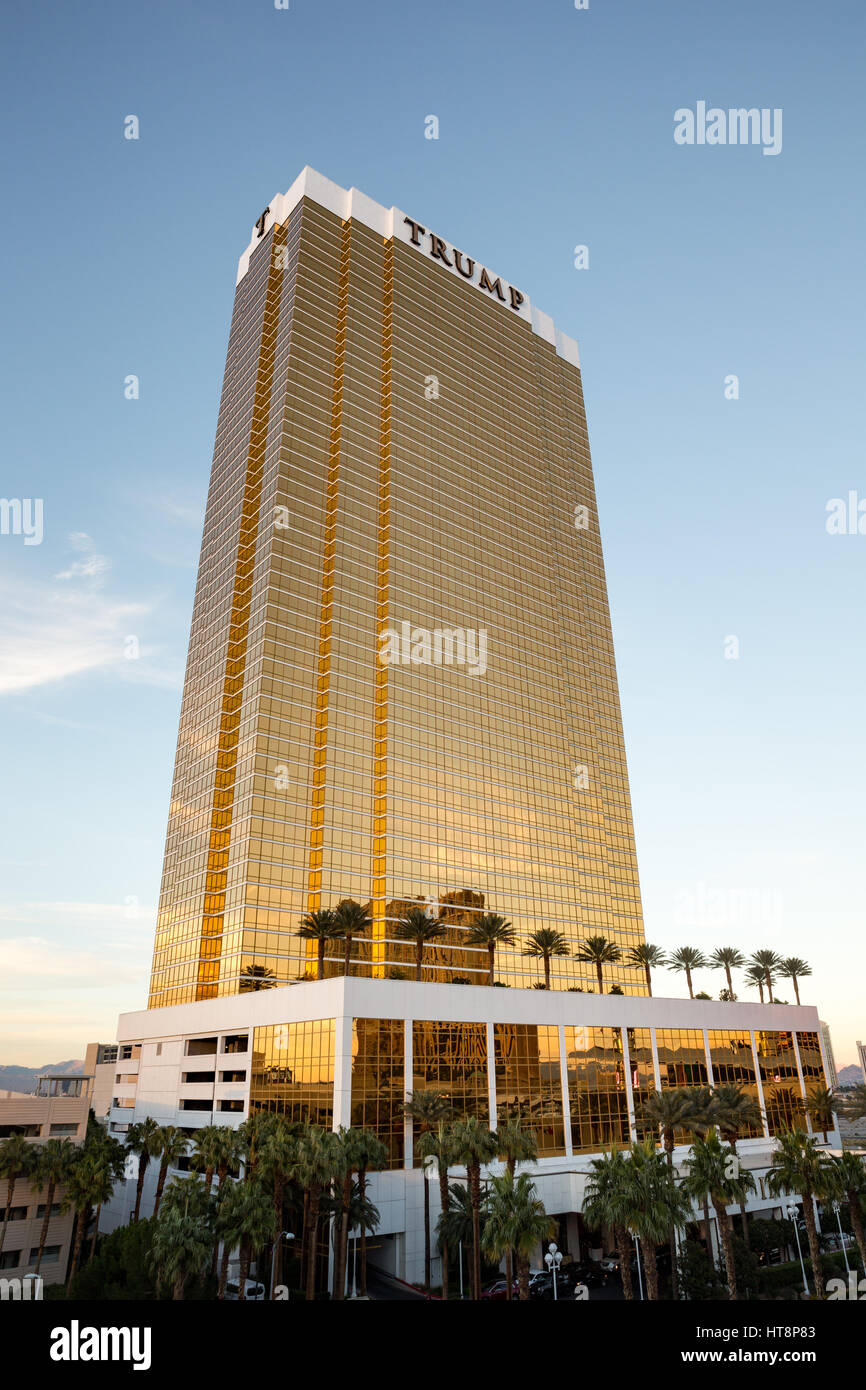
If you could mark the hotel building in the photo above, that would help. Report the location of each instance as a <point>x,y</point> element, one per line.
<point>401,690</point>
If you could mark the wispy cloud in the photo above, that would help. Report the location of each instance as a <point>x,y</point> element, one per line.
<point>92,565</point>
<point>47,635</point>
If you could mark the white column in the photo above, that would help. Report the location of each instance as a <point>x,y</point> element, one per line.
<point>491,1075</point>
<point>563,1076</point>
<point>342,1071</point>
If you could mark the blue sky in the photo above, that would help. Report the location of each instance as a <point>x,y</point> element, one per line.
<point>555,129</point>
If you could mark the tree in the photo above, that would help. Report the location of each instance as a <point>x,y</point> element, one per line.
<point>822,1107</point>
<point>207,1149</point>
<point>715,1171</point>
<point>89,1183</point>
<point>543,944</point>
<point>800,1166</point>
<point>646,958</point>
<point>319,927</point>
<point>121,1270</point>
<point>346,1140</point>
<point>669,1111</point>
<point>735,1112</point>
<point>350,920</point>
<point>438,1146</point>
<point>727,958</point>
<point>491,931</point>
<point>17,1159</point>
<point>418,927</point>
<point>53,1165</point>
<point>369,1154</point>
<point>475,1145</point>
<point>686,959</point>
<point>169,1146</point>
<point>319,1161</point>
<point>754,975</point>
<point>245,1221</point>
<point>142,1139</point>
<point>598,951</point>
<point>770,963</point>
<point>606,1204</point>
<point>181,1249</point>
<point>516,1220</point>
<point>851,1180</point>
<point>426,1108</point>
<point>655,1205</point>
<point>275,1167</point>
<point>794,969</point>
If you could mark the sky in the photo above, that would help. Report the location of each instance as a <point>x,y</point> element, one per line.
<point>735,610</point>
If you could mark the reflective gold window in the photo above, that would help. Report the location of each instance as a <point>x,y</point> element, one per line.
<point>734,1065</point>
<point>643,1077</point>
<point>452,1058</point>
<point>377,1081</point>
<point>293,1071</point>
<point>783,1100</point>
<point>811,1061</point>
<point>528,1082</point>
<point>597,1098</point>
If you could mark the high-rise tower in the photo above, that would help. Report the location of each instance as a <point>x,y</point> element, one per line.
<point>401,683</point>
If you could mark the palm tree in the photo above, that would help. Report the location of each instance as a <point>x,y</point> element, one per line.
<point>770,963</point>
<point>370,1154</point>
<point>851,1180</point>
<point>319,1161</point>
<point>319,927</point>
<point>256,977</point>
<point>142,1139</point>
<point>246,1220</point>
<point>180,1250</point>
<point>605,1204</point>
<point>516,1220</point>
<point>454,1227</point>
<point>53,1165</point>
<point>104,1175</point>
<point>727,958</point>
<point>800,1166</point>
<point>754,975</point>
<point>207,1149</point>
<point>89,1183</point>
<point>669,1111</point>
<point>854,1103</point>
<point>426,1108</point>
<point>275,1166</point>
<point>346,1140</point>
<point>17,1160</point>
<point>491,931</point>
<point>437,1146</point>
<point>734,1111</point>
<point>169,1146</point>
<point>543,944</point>
<point>350,920</point>
<point>822,1107</point>
<point>598,951</point>
<point>418,927</point>
<point>654,1205</point>
<point>687,959</point>
<point>646,958</point>
<point>475,1145</point>
<point>794,969</point>
<point>715,1172</point>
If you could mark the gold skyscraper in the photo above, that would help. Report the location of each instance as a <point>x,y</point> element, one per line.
<point>401,683</point>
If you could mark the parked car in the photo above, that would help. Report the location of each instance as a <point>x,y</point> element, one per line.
<point>610,1262</point>
<point>253,1291</point>
<point>498,1290</point>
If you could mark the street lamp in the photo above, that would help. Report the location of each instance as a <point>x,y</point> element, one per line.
<point>835,1206</point>
<point>794,1214</point>
<point>553,1259</point>
<point>284,1235</point>
<point>637,1257</point>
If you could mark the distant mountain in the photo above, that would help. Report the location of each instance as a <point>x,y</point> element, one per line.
<point>850,1076</point>
<point>24,1078</point>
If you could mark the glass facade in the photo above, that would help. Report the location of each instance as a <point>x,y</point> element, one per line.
<point>734,1065</point>
<point>780,1079</point>
<point>643,1077</point>
<point>378,1081</point>
<point>349,497</point>
<point>452,1058</point>
<point>293,1072</point>
<point>528,1082</point>
<point>598,1103</point>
